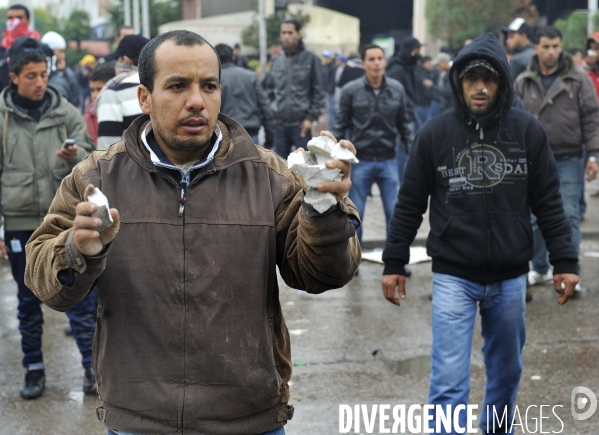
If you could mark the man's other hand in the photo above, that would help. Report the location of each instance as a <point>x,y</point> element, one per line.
<point>591,170</point>
<point>564,284</point>
<point>392,286</point>
<point>69,154</point>
<point>3,251</point>
<point>305,127</point>
<point>88,240</point>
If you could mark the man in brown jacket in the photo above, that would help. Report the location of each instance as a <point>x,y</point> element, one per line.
<point>563,98</point>
<point>190,336</point>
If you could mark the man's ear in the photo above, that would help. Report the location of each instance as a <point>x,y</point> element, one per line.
<point>13,78</point>
<point>127,60</point>
<point>145,99</point>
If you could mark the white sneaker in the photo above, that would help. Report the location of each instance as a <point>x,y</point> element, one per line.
<point>578,287</point>
<point>535,278</point>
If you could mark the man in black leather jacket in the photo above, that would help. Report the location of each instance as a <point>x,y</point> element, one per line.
<point>294,87</point>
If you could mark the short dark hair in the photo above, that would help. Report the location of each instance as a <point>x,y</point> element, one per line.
<point>225,53</point>
<point>296,23</point>
<point>549,32</point>
<point>102,73</point>
<point>19,8</point>
<point>33,57</point>
<point>370,47</point>
<point>147,63</point>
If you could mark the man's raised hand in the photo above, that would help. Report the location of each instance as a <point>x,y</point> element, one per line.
<point>88,240</point>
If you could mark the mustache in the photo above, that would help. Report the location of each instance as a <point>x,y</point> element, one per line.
<point>193,115</point>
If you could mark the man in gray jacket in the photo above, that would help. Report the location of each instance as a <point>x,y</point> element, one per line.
<point>294,87</point>
<point>34,121</point>
<point>243,98</point>
<point>563,98</point>
<point>518,36</point>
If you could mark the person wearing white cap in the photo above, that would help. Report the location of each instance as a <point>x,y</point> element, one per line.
<point>61,76</point>
<point>518,37</point>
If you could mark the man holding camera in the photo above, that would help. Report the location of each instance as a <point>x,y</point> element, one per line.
<point>35,122</point>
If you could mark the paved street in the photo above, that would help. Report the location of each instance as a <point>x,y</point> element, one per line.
<point>349,346</point>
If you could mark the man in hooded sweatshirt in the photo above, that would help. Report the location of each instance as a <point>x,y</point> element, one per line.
<point>484,165</point>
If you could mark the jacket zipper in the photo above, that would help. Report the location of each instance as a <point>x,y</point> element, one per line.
<point>183,186</point>
<point>288,87</point>
<point>485,216</point>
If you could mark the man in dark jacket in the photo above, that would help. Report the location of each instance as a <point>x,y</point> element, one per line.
<point>484,165</point>
<point>403,66</point>
<point>61,76</point>
<point>294,87</point>
<point>562,97</point>
<point>518,38</point>
<point>243,98</point>
<point>374,109</point>
<point>328,79</point>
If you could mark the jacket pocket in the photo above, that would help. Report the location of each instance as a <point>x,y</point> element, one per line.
<point>461,241</point>
<point>17,193</point>
<point>510,241</point>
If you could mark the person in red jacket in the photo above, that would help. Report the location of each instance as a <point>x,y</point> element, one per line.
<point>593,69</point>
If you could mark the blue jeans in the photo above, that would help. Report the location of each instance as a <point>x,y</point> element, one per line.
<point>288,138</point>
<point>254,138</point>
<point>279,431</point>
<point>82,316</point>
<point>402,159</point>
<point>421,114</point>
<point>384,174</point>
<point>570,185</point>
<point>502,309</point>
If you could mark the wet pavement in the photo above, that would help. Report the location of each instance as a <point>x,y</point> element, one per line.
<point>349,346</point>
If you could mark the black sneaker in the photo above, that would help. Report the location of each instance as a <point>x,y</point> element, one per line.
<point>89,382</point>
<point>35,381</point>
<point>408,271</point>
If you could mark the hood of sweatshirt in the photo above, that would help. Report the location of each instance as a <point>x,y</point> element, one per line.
<point>485,47</point>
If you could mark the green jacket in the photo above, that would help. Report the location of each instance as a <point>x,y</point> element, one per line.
<point>30,172</point>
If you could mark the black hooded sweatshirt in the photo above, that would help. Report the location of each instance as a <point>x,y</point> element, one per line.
<point>484,176</point>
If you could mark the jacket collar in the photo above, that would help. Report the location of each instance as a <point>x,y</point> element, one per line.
<point>566,67</point>
<point>300,47</point>
<point>159,159</point>
<point>368,85</point>
<point>56,107</point>
<point>236,144</point>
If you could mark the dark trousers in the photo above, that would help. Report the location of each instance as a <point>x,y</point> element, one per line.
<point>288,139</point>
<point>82,316</point>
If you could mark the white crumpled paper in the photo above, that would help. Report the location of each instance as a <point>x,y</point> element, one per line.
<point>310,165</point>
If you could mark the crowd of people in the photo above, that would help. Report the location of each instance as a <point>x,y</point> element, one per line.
<point>497,138</point>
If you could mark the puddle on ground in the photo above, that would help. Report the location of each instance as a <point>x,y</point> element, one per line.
<point>420,365</point>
